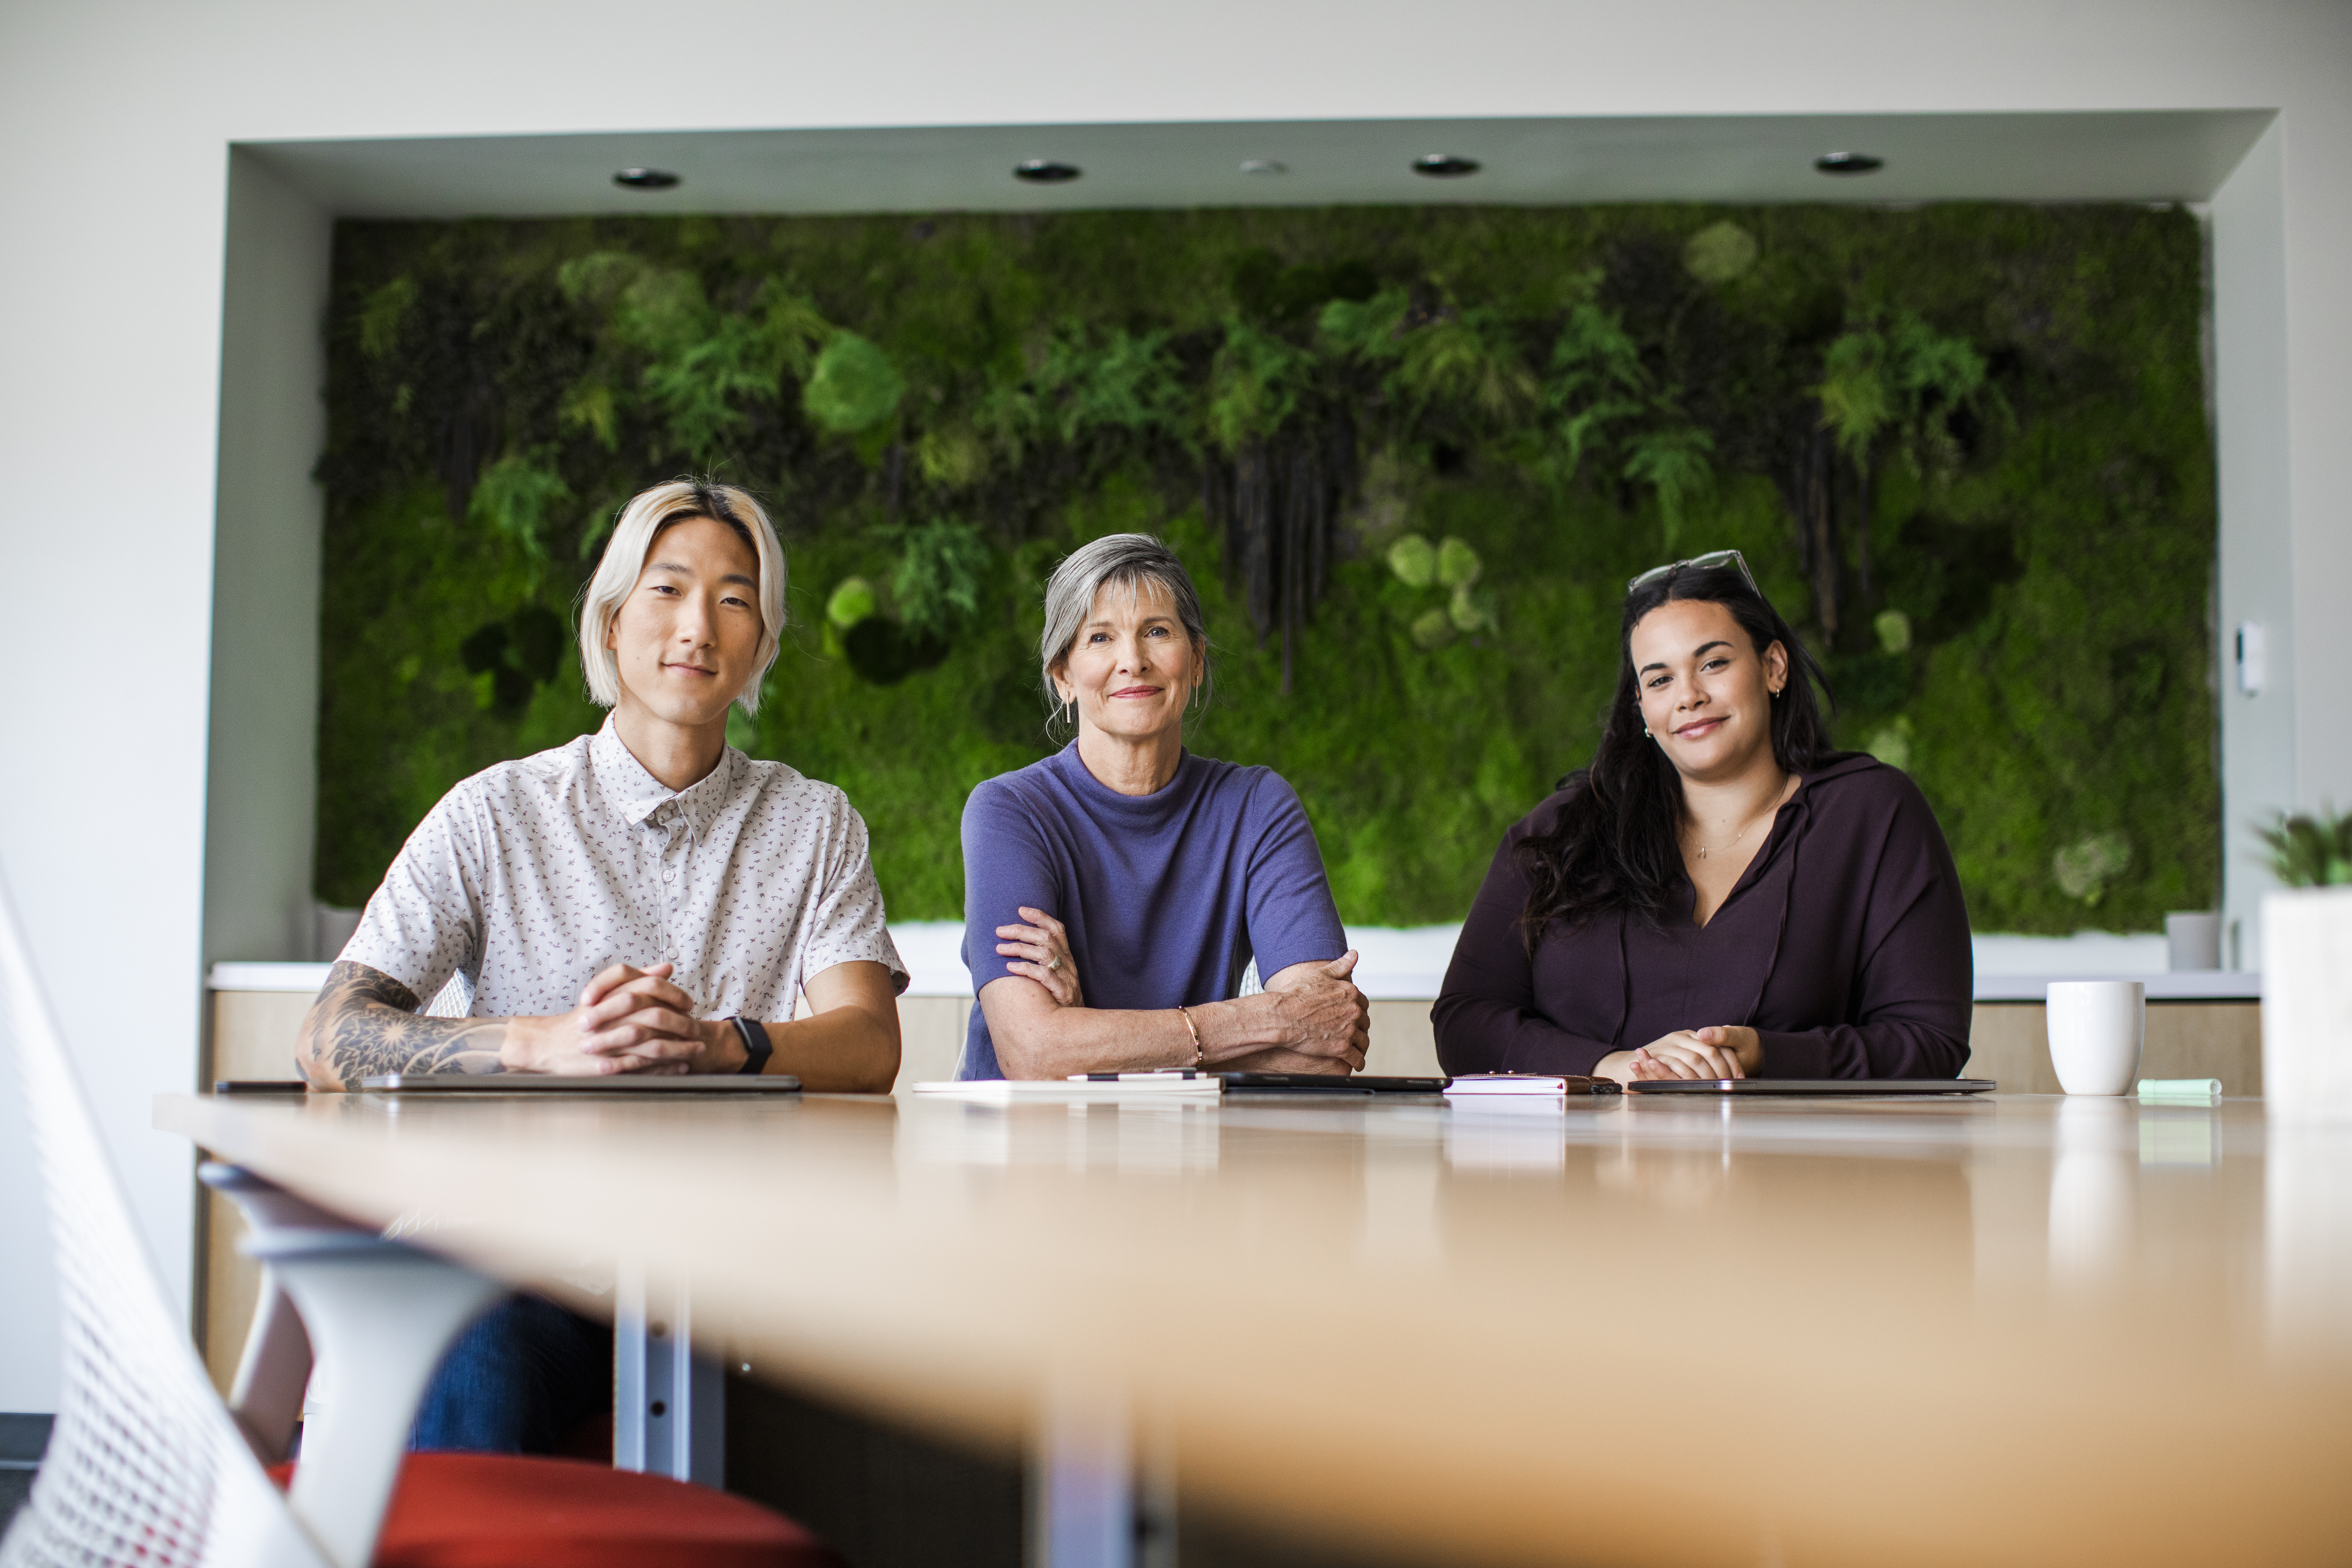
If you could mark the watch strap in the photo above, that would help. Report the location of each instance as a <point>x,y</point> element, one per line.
<point>757,1046</point>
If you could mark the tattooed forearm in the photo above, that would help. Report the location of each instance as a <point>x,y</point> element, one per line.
<point>366,1023</point>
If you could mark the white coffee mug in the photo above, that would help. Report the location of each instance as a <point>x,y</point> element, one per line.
<point>2096,1028</point>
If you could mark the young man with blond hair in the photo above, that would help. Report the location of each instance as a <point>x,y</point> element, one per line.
<point>645,899</point>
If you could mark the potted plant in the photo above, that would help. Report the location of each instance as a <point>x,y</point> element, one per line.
<point>2307,969</point>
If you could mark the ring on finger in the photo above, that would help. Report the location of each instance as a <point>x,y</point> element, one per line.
<point>1056,962</point>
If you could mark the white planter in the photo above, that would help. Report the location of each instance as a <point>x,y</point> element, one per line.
<point>2307,1004</point>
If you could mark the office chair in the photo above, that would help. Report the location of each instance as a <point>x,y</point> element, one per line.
<point>147,1468</point>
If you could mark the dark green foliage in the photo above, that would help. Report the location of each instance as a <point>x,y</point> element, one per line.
<point>938,581</point>
<point>2311,851</point>
<point>1963,447</point>
<point>853,387</point>
<point>885,652</point>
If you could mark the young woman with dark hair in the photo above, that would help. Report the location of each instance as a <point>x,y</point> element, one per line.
<point>1721,894</point>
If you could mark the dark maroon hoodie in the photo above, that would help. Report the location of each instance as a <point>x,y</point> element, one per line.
<point>1844,945</point>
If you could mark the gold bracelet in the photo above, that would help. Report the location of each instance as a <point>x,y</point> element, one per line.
<point>1200,1057</point>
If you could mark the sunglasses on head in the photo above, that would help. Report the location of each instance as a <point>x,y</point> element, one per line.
<point>1707,562</point>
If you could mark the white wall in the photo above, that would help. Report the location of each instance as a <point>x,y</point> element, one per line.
<point>2253,423</point>
<point>111,414</point>
<point>261,774</point>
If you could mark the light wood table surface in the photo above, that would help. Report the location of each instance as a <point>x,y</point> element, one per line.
<point>2018,1330</point>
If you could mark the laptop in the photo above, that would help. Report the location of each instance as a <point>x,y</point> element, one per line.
<point>1818,1088</point>
<point>554,1083</point>
<point>1319,1083</point>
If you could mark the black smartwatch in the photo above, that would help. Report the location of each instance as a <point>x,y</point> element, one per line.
<point>756,1047</point>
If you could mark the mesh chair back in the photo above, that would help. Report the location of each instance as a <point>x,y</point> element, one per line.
<point>144,1467</point>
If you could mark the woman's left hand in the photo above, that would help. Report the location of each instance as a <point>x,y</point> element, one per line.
<point>1045,946</point>
<point>1741,1041</point>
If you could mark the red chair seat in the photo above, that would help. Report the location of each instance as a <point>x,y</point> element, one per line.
<point>505,1510</point>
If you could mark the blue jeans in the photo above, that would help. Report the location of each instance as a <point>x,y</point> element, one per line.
<point>517,1380</point>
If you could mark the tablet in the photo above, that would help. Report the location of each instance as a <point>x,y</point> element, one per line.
<point>1320,1083</point>
<point>1818,1087</point>
<point>553,1083</point>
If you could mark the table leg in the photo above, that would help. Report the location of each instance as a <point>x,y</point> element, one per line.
<point>669,1405</point>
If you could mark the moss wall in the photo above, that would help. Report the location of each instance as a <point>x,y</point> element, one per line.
<point>1965,448</point>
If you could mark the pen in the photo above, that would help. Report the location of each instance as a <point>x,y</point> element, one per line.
<point>1132,1077</point>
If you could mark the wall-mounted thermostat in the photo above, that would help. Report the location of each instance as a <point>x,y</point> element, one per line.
<point>2252,666</point>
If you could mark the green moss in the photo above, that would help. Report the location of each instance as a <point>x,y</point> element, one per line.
<point>944,405</point>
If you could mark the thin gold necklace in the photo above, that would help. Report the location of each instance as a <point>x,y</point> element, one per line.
<point>1753,818</point>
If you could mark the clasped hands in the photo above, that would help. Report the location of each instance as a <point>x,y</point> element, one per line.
<point>1319,1020</point>
<point>1720,1050</point>
<point>627,1020</point>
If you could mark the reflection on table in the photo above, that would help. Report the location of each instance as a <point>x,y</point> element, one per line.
<point>2014,1328</point>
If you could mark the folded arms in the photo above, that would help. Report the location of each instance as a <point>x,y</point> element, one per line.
<point>1310,1018</point>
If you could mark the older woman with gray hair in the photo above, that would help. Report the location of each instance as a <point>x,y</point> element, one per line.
<point>1115,893</point>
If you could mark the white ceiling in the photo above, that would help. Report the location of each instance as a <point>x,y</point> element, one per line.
<point>2168,156</point>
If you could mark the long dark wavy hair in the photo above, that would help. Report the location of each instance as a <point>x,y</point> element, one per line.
<point>1617,845</point>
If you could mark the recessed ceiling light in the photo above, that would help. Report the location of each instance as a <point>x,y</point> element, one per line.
<point>1045,171</point>
<point>1848,163</point>
<point>1263,166</point>
<point>646,179</point>
<point>1445,166</point>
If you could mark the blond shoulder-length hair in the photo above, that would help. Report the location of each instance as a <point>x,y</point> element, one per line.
<point>641,522</point>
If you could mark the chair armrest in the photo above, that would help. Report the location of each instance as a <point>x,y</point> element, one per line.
<point>382,1314</point>
<point>379,1313</point>
<point>274,1369</point>
<point>265,1203</point>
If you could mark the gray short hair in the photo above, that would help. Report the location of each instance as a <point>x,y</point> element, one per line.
<point>1129,560</point>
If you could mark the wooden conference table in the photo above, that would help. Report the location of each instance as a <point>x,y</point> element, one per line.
<point>2017,1329</point>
